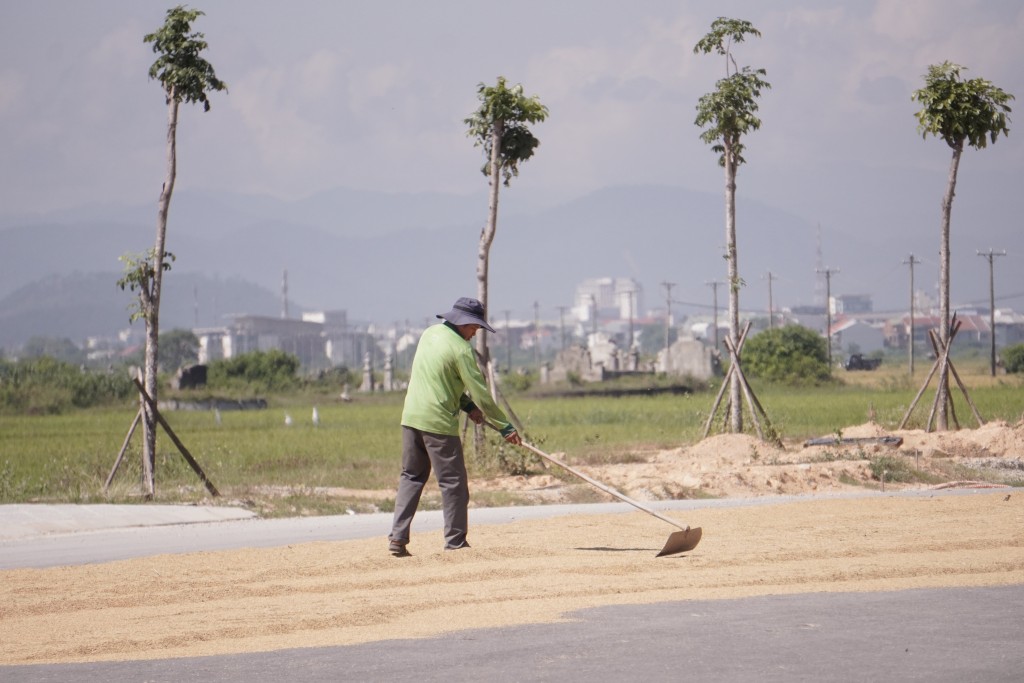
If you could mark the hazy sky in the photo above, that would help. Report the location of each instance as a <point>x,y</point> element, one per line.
<point>373,95</point>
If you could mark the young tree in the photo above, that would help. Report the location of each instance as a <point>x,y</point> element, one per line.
<point>726,115</point>
<point>958,111</point>
<point>500,126</point>
<point>185,77</point>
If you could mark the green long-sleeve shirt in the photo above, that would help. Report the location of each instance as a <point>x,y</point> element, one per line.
<point>443,371</point>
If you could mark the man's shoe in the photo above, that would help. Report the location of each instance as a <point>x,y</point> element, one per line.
<point>397,549</point>
<point>465,544</point>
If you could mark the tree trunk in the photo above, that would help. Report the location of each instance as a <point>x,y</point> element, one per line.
<point>735,399</point>
<point>152,317</point>
<point>942,399</point>
<point>487,235</point>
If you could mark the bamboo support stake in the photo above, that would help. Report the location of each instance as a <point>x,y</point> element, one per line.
<point>124,447</point>
<point>177,442</point>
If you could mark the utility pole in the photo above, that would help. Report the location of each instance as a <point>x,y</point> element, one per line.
<point>910,344</point>
<point>508,343</point>
<point>593,314</point>
<point>991,256</point>
<point>630,302</point>
<point>828,273</point>
<point>771,311</point>
<point>284,295</point>
<point>561,323</point>
<point>536,334</point>
<point>668,321</point>
<point>713,284</point>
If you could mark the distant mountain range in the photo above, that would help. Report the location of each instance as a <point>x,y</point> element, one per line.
<point>82,305</point>
<point>388,257</point>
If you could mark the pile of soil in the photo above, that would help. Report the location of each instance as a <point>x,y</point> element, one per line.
<point>741,465</point>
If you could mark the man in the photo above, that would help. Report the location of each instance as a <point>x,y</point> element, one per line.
<point>444,370</point>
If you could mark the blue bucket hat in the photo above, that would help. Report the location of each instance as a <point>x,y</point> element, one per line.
<point>467,311</point>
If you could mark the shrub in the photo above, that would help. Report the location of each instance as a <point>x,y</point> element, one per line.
<point>257,370</point>
<point>892,468</point>
<point>49,386</point>
<point>517,381</point>
<point>1013,358</point>
<point>792,355</point>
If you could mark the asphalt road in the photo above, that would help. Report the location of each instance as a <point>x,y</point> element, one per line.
<point>955,634</point>
<point>922,635</point>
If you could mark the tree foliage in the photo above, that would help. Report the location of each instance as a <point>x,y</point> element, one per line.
<point>185,75</point>
<point>729,111</point>
<point>792,355</point>
<point>957,110</point>
<point>138,275</point>
<point>507,111</point>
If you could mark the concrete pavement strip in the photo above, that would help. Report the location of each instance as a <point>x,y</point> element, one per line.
<point>22,521</point>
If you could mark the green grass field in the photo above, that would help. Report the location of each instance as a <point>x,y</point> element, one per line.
<point>67,458</point>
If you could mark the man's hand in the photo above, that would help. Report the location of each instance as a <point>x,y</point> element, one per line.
<point>514,439</point>
<point>476,415</point>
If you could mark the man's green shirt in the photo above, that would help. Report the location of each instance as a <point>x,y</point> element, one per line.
<point>443,371</point>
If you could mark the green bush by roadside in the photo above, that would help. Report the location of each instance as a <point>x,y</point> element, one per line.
<point>259,371</point>
<point>1013,358</point>
<point>793,355</point>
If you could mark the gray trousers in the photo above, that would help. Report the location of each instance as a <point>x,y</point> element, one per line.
<point>421,451</point>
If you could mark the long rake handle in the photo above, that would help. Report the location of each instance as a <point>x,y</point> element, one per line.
<point>594,482</point>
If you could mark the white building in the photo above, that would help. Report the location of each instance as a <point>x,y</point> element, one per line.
<point>619,298</point>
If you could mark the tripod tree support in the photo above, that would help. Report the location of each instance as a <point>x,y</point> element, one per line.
<point>942,359</point>
<point>170,432</point>
<point>757,411</point>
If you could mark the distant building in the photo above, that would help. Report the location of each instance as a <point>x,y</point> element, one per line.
<point>618,298</point>
<point>807,309</point>
<point>974,328</point>
<point>319,340</point>
<point>850,304</point>
<point>344,344</point>
<point>851,335</point>
<point>1009,327</point>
